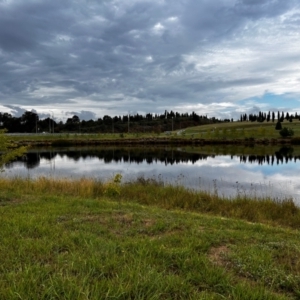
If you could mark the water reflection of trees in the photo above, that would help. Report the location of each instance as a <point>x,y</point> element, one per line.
<point>32,160</point>
<point>284,155</point>
<point>134,156</point>
<point>149,156</point>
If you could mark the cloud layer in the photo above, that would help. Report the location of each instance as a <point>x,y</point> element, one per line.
<point>113,57</point>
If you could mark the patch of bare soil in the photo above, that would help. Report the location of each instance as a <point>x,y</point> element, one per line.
<point>217,255</point>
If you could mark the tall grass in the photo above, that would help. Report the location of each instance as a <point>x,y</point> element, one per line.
<point>154,193</point>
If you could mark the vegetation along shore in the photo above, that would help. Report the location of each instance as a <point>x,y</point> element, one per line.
<point>86,239</point>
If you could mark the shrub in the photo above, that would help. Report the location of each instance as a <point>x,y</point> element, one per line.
<point>285,132</point>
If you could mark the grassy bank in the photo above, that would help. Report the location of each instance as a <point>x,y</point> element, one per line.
<point>239,130</point>
<point>85,239</point>
<point>224,133</point>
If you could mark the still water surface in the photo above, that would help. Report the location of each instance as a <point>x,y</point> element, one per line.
<point>272,172</point>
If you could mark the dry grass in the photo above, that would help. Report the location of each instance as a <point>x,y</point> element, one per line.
<point>154,193</point>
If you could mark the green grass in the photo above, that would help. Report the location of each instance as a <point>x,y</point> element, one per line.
<point>241,130</point>
<point>85,239</point>
<point>84,136</point>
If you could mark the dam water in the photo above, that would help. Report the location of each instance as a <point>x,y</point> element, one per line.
<point>227,171</point>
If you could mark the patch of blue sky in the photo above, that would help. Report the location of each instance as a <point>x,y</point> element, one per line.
<point>281,168</point>
<point>271,101</point>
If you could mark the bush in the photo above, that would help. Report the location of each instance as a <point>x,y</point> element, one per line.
<point>285,132</point>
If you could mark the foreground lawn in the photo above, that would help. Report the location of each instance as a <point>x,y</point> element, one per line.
<point>93,240</point>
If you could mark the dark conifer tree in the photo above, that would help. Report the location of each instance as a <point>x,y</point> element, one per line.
<point>278,125</point>
<point>287,116</point>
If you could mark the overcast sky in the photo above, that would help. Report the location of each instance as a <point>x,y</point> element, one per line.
<point>92,58</point>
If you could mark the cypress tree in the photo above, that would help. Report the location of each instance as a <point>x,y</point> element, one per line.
<point>278,125</point>
<point>287,116</point>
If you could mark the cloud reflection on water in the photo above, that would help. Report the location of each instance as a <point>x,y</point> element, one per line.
<point>225,174</point>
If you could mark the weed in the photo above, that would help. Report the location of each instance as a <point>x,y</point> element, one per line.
<point>112,187</point>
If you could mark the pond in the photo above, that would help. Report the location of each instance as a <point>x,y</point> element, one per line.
<point>228,171</point>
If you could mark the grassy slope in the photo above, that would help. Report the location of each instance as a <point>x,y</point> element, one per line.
<point>242,130</point>
<point>89,240</point>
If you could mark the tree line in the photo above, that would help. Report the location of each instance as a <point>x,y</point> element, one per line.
<point>263,116</point>
<point>30,122</point>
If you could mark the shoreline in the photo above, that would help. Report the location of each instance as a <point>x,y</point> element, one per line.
<point>157,141</point>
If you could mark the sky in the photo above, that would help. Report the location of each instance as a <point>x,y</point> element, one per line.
<point>92,58</point>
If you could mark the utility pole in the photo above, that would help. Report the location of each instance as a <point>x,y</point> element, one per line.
<point>51,128</point>
<point>53,122</point>
<point>49,123</point>
<point>128,122</point>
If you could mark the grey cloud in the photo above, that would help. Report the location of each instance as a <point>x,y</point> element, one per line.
<point>25,25</point>
<point>265,8</point>
<point>16,111</point>
<point>83,115</point>
<point>61,52</point>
